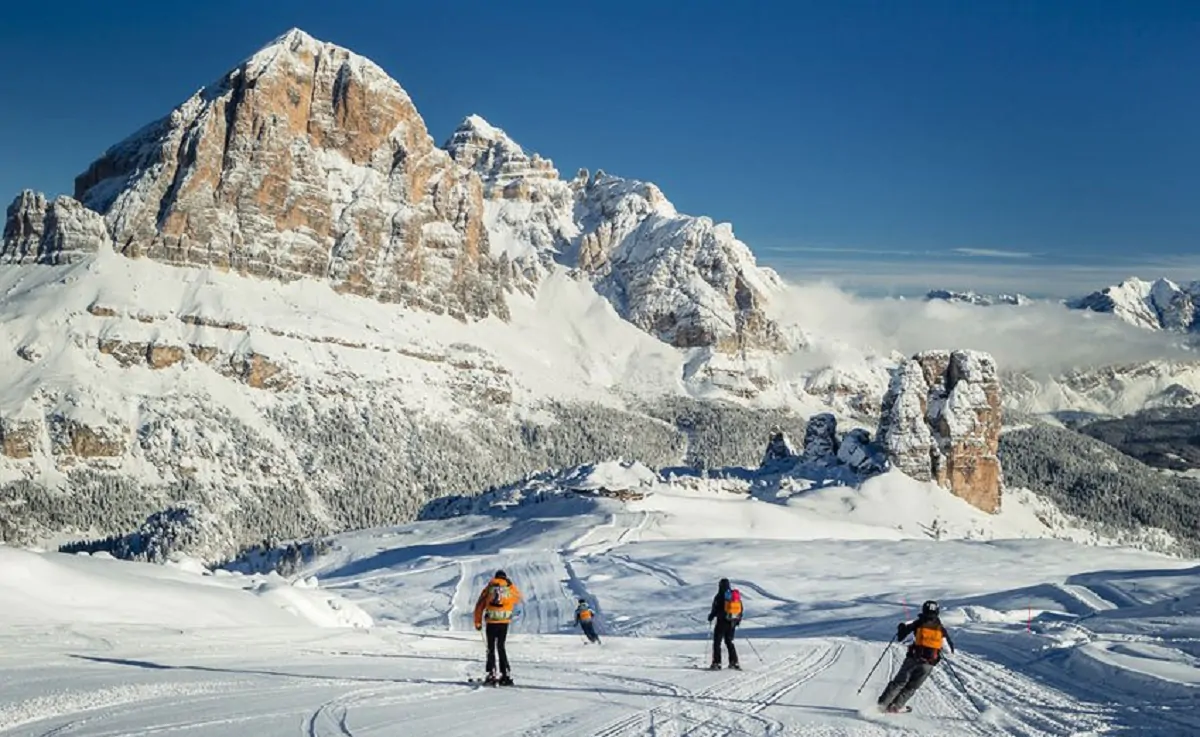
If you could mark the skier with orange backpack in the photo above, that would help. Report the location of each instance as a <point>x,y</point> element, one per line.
<point>495,605</point>
<point>924,653</point>
<point>585,618</point>
<point>727,610</point>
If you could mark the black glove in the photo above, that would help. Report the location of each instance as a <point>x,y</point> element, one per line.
<point>710,618</point>
<point>900,632</point>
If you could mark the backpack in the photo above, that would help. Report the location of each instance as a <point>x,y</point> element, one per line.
<point>733,605</point>
<point>498,593</point>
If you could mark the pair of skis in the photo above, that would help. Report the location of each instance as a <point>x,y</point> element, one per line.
<point>492,683</point>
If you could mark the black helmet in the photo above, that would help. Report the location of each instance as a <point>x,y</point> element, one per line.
<point>501,574</point>
<point>930,607</point>
<point>582,601</point>
<point>723,584</point>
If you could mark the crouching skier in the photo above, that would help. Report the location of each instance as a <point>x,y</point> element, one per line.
<point>586,619</point>
<point>923,654</point>
<point>495,604</point>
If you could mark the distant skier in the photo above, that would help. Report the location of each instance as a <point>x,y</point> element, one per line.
<point>586,619</point>
<point>495,605</point>
<point>923,654</point>
<point>727,610</point>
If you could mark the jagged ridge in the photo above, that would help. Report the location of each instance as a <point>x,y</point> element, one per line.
<point>684,279</point>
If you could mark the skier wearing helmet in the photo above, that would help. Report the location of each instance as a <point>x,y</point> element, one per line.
<point>923,654</point>
<point>727,610</point>
<point>586,619</point>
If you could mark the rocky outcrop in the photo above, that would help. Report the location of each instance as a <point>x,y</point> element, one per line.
<point>164,356</point>
<point>253,369</point>
<point>305,161</point>
<point>941,422</point>
<point>820,440</point>
<point>859,454</point>
<point>904,432</point>
<point>19,438</point>
<point>779,450</point>
<point>73,437</point>
<point>684,279</point>
<point>59,231</point>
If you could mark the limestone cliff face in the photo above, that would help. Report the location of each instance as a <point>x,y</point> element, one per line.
<point>684,279</point>
<point>51,232</point>
<point>941,422</point>
<point>305,161</point>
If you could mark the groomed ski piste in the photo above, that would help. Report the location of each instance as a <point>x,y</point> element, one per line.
<point>375,637</point>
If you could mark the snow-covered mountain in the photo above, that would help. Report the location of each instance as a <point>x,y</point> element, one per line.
<point>685,279</point>
<point>973,298</point>
<point>1158,305</point>
<point>284,308</point>
<point>284,304</point>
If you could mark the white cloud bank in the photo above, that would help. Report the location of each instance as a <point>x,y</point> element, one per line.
<point>1043,337</point>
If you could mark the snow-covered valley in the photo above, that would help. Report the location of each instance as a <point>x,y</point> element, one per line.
<point>1054,637</point>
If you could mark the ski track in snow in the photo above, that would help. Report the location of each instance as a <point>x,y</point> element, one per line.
<point>91,679</point>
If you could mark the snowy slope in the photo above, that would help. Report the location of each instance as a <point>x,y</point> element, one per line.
<point>1054,638</point>
<point>98,591</point>
<point>181,383</point>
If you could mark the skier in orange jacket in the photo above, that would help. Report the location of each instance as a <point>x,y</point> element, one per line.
<point>495,606</point>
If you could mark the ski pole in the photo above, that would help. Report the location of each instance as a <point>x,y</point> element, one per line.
<point>958,679</point>
<point>882,655</point>
<point>751,644</point>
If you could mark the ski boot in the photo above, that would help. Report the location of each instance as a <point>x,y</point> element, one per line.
<point>505,680</point>
<point>715,666</point>
<point>735,666</point>
<point>490,680</point>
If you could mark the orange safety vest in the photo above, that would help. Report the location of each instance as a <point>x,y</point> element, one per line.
<point>928,637</point>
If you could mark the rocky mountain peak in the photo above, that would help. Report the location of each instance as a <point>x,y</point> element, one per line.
<point>684,279</point>
<point>42,231</point>
<point>306,160</point>
<point>941,422</point>
<point>506,170</point>
<point>1155,305</point>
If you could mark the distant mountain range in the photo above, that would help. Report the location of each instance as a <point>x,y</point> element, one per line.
<point>1155,305</point>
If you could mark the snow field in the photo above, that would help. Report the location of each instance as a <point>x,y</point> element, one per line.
<point>1111,646</point>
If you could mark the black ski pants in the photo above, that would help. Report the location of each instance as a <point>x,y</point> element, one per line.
<point>496,634</point>
<point>913,672</point>
<point>589,630</point>
<point>724,631</point>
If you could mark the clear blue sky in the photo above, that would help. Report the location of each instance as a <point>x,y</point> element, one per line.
<point>1051,128</point>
